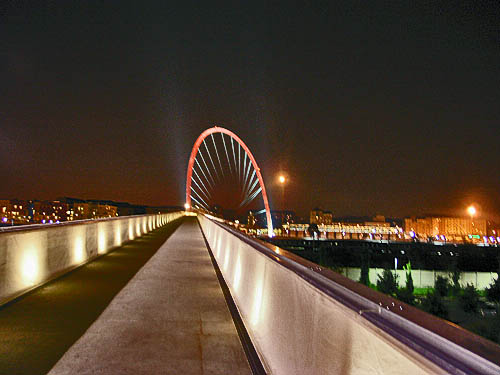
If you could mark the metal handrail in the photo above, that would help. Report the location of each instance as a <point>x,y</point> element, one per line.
<point>445,344</point>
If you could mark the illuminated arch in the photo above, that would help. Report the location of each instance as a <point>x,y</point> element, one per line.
<point>196,146</point>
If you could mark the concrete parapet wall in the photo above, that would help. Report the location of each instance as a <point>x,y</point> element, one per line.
<point>32,255</point>
<point>295,327</point>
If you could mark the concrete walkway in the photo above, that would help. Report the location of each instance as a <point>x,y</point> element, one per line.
<point>171,318</point>
<point>39,327</point>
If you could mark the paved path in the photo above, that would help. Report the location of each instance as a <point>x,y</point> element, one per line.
<point>38,328</point>
<point>171,318</point>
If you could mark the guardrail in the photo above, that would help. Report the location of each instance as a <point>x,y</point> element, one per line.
<point>303,319</point>
<point>31,255</point>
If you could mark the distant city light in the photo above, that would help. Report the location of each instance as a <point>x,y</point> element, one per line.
<point>282,179</point>
<point>4,219</point>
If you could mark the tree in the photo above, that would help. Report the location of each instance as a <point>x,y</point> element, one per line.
<point>469,299</point>
<point>493,291</point>
<point>409,279</point>
<point>455,277</point>
<point>433,304</point>
<point>406,296</point>
<point>365,271</point>
<point>387,282</point>
<point>442,286</point>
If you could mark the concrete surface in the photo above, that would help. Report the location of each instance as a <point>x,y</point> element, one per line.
<point>38,328</point>
<point>171,318</point>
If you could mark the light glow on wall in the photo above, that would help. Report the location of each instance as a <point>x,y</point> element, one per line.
<point>217,246</point>
<point>130,230</point>
<point>138,229</point>
<point>30,267</point>
<point>237,275</point>
<point>226,259</point>
<point>101,239</point>
<point>257,302</point>
<point>78,250</point>
<point>118,234</point>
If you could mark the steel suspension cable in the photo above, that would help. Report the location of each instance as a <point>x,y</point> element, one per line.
<point>227,155</point>
<point>194,170</point>
<point>202,171</point>
<point>201,204</point>
<point>253,186</point>
<point>234,155</point>
<point>247,182</point>
<point>199,187</point>
<point>199,196</point>
<point>250,198</point>
<point>217,152</point>
<point>208,152</point>
<point>246,171</point>
<point>208,169</point>
<point>239,163</point>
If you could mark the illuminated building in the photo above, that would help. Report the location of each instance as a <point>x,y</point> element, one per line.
<point>251,221</point>
<point>14,212</point>
<point>452,228</point>
<point>106,210</point>
<point>318,216</point>
<point>81,211</point>
<point>364,231</point>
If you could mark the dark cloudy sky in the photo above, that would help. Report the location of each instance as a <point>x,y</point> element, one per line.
<point>370,107</point>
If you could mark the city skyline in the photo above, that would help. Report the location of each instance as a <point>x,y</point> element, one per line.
<point>368,110</point>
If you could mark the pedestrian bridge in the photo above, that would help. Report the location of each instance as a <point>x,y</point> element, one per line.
<point>178,293</point>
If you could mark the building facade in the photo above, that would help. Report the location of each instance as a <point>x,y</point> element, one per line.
<point>452,228</point>
<point>320,217</point>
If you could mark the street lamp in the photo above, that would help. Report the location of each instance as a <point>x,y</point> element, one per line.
<point>282,181</point>
<point>472,211</point>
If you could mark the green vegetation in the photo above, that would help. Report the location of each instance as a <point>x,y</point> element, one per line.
<point>474,310</point>
<point>455,277</point>
<point>469,299</point>
<point>365,271</point>
<point>406,294</point>
<point>493,291</point>
<point>442,286</point>
<point>388,282</point>
<point>433,303</point>
<point>464,306</point>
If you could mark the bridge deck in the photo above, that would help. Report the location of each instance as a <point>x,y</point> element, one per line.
<point>171,318</point>
<point>38,328</point>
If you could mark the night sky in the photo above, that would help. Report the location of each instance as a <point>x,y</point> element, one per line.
<point>369,107</point>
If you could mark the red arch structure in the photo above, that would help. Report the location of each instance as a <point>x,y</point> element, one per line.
<point>196,146</point>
